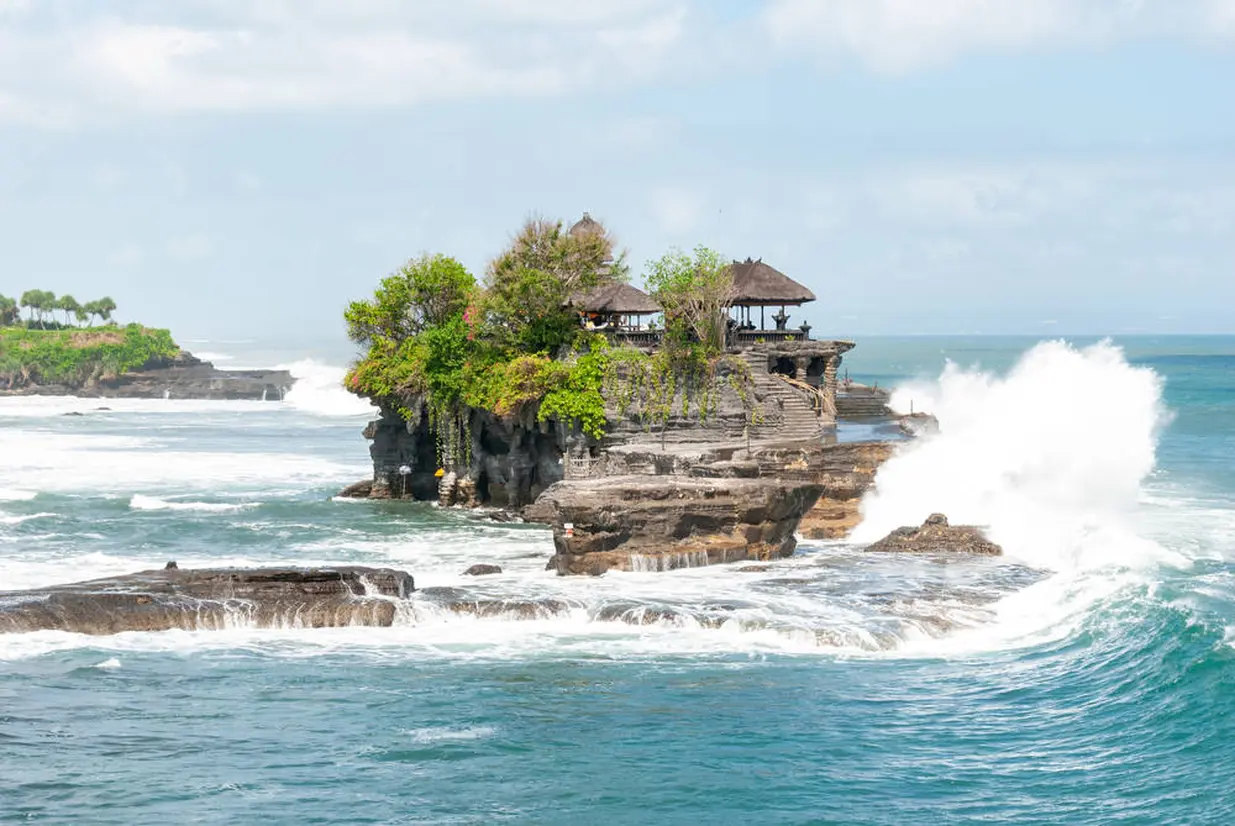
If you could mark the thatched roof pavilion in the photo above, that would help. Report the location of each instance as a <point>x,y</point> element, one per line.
<point>615,299</point>
<point>586,224</point>
<point>759,285</point>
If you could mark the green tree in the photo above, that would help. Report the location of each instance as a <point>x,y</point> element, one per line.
<point>68,305</point>
<point>694,291</point>
<point>528,285</point>
<point>104,307</point>
<point>38,302</point>
<point>8,310</point>
<point>426,293</point>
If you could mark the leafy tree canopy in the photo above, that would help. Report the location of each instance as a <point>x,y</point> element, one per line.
<point>528,285</point>
<point>426,293</point>
<point>8,310</point>
<point>695,292</point>
<point>434,336</point>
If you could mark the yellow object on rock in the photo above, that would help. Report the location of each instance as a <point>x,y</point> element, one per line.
<point>440,473</point>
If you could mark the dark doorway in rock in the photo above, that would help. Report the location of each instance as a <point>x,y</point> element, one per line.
<point>814,370</point>
<point>482,488</point>
<point>784,366</point>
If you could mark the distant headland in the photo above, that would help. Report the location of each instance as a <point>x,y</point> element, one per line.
<point>57,350</point>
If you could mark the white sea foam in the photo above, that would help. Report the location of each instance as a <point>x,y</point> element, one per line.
<point>17,520</point>
<point>319,390</point>
<point>47,407</point>
<point>10,495</point>
<point>96,463</point>
<point>213,358</point>
<point>1051,459</point>
<point>441,734</point>
<point>112,664</point>
<point>140,502</point>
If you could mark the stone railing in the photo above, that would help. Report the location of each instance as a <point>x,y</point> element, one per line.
<point>763,336</point>
<point>637,338</point>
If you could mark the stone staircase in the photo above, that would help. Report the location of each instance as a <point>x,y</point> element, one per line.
<point>862,402</point>
<point>788,412</point>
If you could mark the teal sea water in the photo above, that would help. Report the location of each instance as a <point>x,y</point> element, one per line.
<point>1087,677</point>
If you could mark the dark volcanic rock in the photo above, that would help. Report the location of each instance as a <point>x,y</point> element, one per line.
<point>210,599</point>
<point>659,523</point>
<point>937,536</point>
<point>482,570</point>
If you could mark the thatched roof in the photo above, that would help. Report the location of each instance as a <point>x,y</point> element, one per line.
<point>759,284</point>
<point>586,224</point>
<point>621,299</point>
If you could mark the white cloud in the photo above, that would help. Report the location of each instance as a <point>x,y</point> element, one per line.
<point>235,55</point>
<point>903,35</point>
<point>676,209</point>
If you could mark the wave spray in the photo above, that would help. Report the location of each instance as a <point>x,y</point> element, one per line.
<point>1050,459</point>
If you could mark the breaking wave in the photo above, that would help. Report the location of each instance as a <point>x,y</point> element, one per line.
<point>319,390</point>
<point>17,520</point>
<point>152,503</point>
<point>1051,459</point>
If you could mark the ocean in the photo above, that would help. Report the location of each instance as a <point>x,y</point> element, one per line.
<point>1088,676</point>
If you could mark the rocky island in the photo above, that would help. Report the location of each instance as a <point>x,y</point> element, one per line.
<point>43,357</point>
<point>707,438</point>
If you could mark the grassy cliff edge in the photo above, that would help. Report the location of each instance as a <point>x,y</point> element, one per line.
<point>78,357</point>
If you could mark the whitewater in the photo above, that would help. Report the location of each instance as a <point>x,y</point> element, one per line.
<point>1084,677</point>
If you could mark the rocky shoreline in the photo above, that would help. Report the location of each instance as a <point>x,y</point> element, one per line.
<point>659,523</point>
<point>211,599</point>
<point>184,377</point>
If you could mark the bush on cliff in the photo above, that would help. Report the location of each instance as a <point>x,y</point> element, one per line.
<point>78,357</point>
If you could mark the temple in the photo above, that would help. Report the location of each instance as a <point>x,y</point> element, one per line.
<point>780,357</point>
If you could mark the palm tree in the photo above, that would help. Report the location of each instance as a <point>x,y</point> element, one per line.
<point>31,300</point>
<point>67,304</point>
<point>106,306</point>
<point>8,310</point>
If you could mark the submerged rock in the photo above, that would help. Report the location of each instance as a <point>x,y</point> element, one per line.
<point>359,490</point>
<point>483,570</point>
<point>937,536</point>
<point>661,523</point>
<point>207,599</point>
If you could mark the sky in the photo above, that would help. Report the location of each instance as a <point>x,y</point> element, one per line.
<point>247,167</point>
